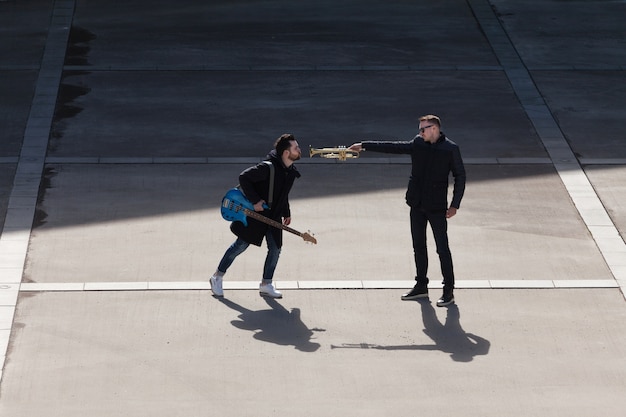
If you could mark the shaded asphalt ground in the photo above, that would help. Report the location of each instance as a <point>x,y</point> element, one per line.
<point>123,124</point>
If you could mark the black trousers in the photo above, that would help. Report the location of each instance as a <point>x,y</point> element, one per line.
<point>439,226</point>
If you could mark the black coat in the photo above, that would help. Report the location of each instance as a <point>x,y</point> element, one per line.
<point>432,165</point>
<point>255,183</point>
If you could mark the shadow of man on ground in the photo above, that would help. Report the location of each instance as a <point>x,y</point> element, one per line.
<point>276,325</point>
<point>448,337</point>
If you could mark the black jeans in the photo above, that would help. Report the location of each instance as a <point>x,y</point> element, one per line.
<point>439,226</point>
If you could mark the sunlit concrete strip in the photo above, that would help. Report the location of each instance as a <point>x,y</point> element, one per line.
<point>587,202</point>
<point>312,285</point>
<point>23,199</point>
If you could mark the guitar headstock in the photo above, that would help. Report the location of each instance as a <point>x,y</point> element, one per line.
<point>308,237</point>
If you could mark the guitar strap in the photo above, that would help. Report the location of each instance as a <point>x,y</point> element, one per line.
<point>270,196</point>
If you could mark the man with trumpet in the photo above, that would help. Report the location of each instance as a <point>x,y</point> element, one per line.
<point>434,157</point>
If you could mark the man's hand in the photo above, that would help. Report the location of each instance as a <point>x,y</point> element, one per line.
<point>356,147</point>
<point>450,212</point>
<point>259,206</point>
<point>286,221</point>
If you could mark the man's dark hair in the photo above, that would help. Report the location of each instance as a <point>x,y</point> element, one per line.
<point>283,143</point>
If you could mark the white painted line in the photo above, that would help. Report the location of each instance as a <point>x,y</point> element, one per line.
<point>50,286</point>
<point>522,284</point>
<point>286,285</point>
<point>27,178</point>
<point>116,286</point>
<point>6,319</point>
<point>242,285</point>
<point>200,285</point>
<point>619,272</point>
<point>309,285</point>
<point>328,285</point>
<point>4,340</point>
<point>8,294</point>
<point>475,284</point>
<point>586,283</point>
<point>379,284</point>
<point>11,275</point>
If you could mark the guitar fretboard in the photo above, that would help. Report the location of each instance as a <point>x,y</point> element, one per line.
<point>271,222</point>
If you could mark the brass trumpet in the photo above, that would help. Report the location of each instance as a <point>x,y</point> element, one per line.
<point>341,152</point>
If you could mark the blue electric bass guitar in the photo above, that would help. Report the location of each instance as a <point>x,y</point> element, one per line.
<point>236,208</point>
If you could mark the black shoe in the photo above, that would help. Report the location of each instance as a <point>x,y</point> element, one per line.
<point>415,293</point>
<point>445,300</point>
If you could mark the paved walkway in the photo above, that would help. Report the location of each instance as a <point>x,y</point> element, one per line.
<point>122,134</point>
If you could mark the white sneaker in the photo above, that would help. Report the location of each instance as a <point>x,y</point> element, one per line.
<point>268,290</point>
<point>216,286</point>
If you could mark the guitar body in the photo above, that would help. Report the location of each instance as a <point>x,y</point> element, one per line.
<point>237,208</point>
<point>234,205</point>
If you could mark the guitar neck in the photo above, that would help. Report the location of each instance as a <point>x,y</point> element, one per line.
<point>267,220</point>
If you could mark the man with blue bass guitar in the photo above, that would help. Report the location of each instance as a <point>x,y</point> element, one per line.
<point>258,209</point>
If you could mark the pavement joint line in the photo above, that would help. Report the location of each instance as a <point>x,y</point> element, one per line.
<point>300,285</point>
<point>30,165</point>
<point>282,68</point>
<point>569,169</point>
<point>228,160</point>
<point>408,67</point>
<point>245,160</point>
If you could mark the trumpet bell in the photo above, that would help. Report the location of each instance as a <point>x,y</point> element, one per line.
<point>341,153</point>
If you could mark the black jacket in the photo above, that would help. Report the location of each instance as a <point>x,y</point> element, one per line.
<point>431,168</point>
<point>255,183</point>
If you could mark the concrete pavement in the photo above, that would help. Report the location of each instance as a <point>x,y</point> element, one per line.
<point>120,136</point>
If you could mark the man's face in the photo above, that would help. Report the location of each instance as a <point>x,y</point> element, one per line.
<point>429,131</point>
<point>294,151</point>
